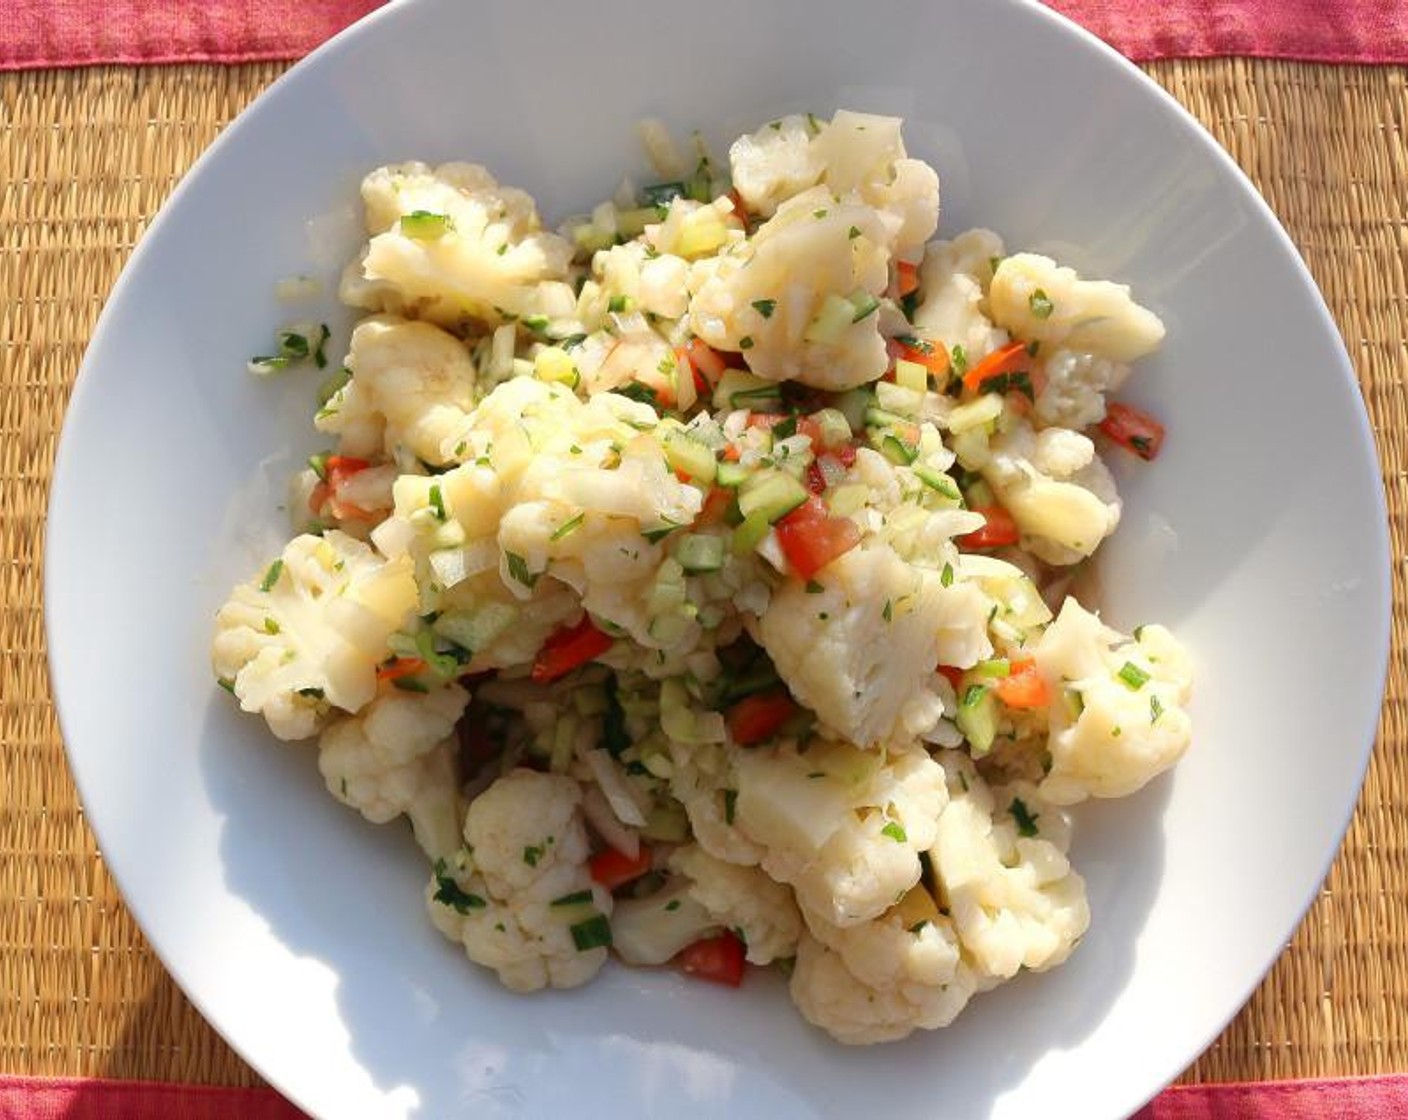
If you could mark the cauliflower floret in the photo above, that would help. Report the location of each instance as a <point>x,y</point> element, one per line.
<point>1000,860</point>
<point>953,281</point>
<point>881,980</point>
<point>844,827</point>
<point>1057,489</point>
<point>1038,300</point>
<point>861,652</point>
<point>1073,395</point>
<point>1123,719</point>
<point>656,285</point>
<point>760,910</point>
<point>307,635</point>
<point>412,386</point>
<point>398,756</point>
<point>771,165</point>
<point>703,780</point>
<point>520,899</point>
<point>786,292</point>
<point>471,249</point>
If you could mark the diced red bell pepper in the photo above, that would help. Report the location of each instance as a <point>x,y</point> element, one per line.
<point>719,959</point>
<point>811,538</point>
<point>399,667</point>
<point>1024,686</point>
<point>953,674</point>
<point>1003,360</point>
<point>568,649</point>
<point>932,357</point>
<point>906,279</point>
<point>998,529</point>
<point>760,716</point>
<point>1133,429</point>
<point>613,869</point>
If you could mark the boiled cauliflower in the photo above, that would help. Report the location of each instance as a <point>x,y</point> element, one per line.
<point>1057,489</point>
<point>1121,718</point>
<point>783,297</point>
<point>954,283</point>
<point>1000,860</point>
<point>771,165</point>
<point>412,386</point>
<point>1075,386</point>
<point>842,826</point>
<point>760,910</point>
<point>449,244</point>
<point>1038,300</point>
<point>882,979</point>
<point>861,653</point>
<point>306,636</point>
<point>397,756</point>
<point>519,898</point>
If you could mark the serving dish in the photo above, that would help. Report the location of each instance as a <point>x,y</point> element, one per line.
<point>296,927</point>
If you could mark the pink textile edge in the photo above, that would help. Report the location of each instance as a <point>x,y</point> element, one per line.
<point>97,1098</point>
<point>1375,1097</point>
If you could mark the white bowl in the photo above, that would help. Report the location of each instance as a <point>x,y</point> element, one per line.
<point>1259,536</point>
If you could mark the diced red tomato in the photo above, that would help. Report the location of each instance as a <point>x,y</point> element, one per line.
<point>760,716</point>
<point>766,420</point>
<point>1024,686</point>
<point>399,667</point>
<point>1003,360</point>
<point>568,649</point>
<point>1133,429</point>
<point>998,529</point>
<point>932,357</point>
<point>811,538</point>
<point>953,674</point>
<point>846,453</point>
<point>816,481</point>
<point>613,869</point>
<point>705,359</point>
<point>340,468</point>
<point>719,959</point>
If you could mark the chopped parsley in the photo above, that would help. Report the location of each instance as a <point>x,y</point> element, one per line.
<point>618,303</point>
<point>730,805</point>
<point>958,358</point>
<point>568,527</point>
<point>673,904</point>
<point>311,693</point>
<point>1041,304</point>
<point>818,213</point>
<point>946,576</point>
<point>594,933</point>
<point>746,342</point>
<point>614,736</point>
<point>1156,709</point>
<point>572,899</point>
<point>765,307</point>
<point>271,577</point>
<point>449,893</point>
<point>895,831</point>
<point>1133,676</point>
<point>1025,818</point>
<point>437,502</point>
<point>814,588</point>
<point>889,612</point>
<point>518,569</point>
<point>227,684</point>
<point>993,262</point>
<point>271,625</point>
<point>532,854</point>
<point>853,233</point>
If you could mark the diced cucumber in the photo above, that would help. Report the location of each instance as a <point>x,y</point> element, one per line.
<point>731,475</point>
<point>661,194</point>
<point>737,388</point>
<point>669,629</point>
<point>473,630</point>
<point>832,321</point>
<point>980,494</point>
<point>911,375</point>
<point>697,553</point>
<point>591,238</point>
<point>853,405</point>
<point>750,533</point>
<point>898,451</point>
<point>862,304</point>
<point>687,454</point>
<point>977,718</point>
<point>984,410</point>
<point>422,225</point>
<point>877,417</point>
<point>994,668</point>
<point>666,824</point>
<point>771,494</point>
<point>938,480</point>
<point>843,501</point>
<point>1073,702</point>
<point>632,223</point>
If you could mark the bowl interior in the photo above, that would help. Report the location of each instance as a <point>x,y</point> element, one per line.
<point>298,929</point>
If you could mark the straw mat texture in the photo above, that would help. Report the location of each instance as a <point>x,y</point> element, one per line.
<point>86,159</point>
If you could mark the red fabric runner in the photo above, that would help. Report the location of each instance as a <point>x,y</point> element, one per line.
<point>22,1098</point>
<point>44,33</point>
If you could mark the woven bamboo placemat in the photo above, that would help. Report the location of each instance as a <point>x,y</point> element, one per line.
<point>87,157</point>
